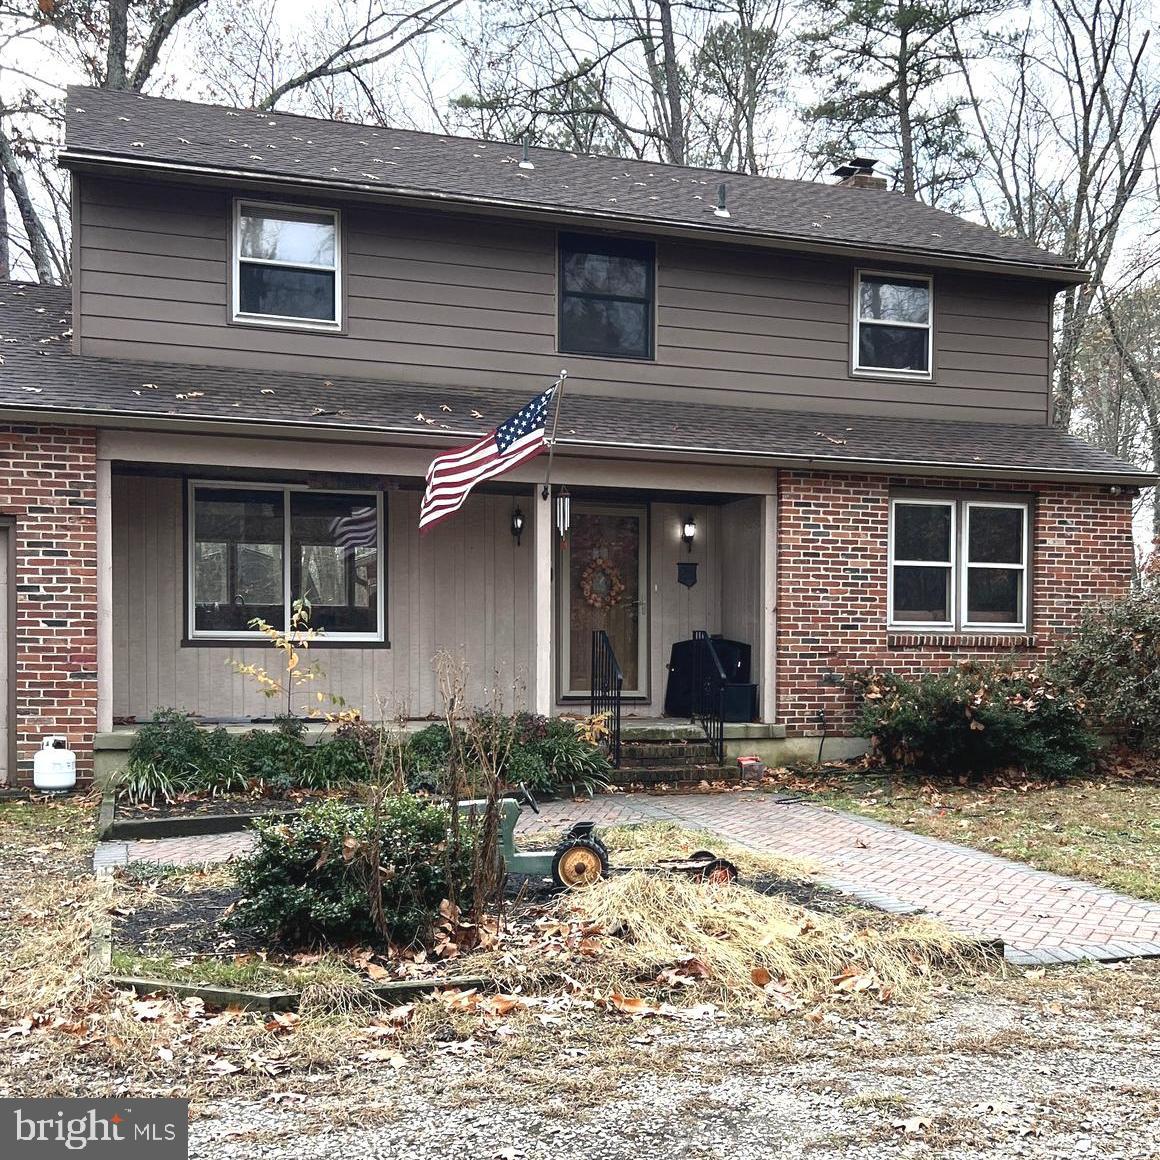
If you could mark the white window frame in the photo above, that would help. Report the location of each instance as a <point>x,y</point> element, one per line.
<point>284,320</point>
<point>891,372</point>
<point>992,625</point>
<point>194,633</point>
<point>960,566</point>
<point>921,625</point>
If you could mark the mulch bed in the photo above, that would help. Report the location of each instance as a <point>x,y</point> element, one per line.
<point>187,924</point>
<point>232,805</point>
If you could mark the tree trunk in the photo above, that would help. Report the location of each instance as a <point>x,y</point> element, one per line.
<point>672,78</point>
<point>116,67</point>
<point>38,246</point>
<point>5,264</point>
<point>905,124</point>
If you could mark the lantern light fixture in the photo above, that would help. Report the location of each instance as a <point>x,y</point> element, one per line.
<point>517,524</point>
<point>689,532</point>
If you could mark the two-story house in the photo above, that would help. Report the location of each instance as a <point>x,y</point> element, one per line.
<point>832,400</point>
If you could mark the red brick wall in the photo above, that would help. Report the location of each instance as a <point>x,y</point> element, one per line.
<point>832,567</point>
<point>48,482</point>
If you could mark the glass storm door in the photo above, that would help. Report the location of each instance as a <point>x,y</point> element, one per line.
<point>605,585</point>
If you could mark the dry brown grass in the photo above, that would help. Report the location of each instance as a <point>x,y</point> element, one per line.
<point>645,843</point>
<point>726,943</point>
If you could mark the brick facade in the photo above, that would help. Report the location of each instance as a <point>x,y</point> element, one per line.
<point>48,483</point>
<point>832,572</point>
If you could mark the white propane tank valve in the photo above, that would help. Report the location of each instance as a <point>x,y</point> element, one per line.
<point>54,768</point>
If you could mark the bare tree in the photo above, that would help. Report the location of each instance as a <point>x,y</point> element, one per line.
<point>122,44</point>
<point>677,80</point>
<point>1128,328</point>
<point>1066,129</point>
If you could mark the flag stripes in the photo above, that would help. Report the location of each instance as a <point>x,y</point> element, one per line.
<point>451,477</point>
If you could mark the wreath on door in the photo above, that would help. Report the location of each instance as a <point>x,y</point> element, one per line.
<point>601,584</point>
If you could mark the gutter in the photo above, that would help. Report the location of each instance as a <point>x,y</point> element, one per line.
<point>288,429</point>
<point>802,243</point>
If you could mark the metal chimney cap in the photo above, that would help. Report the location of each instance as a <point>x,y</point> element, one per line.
<point>855,166</point>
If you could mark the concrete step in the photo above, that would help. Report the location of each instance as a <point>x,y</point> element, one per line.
<point>674,775</point>
<point>638,754</point>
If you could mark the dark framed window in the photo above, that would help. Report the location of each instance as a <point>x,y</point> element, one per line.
<point>607,290</point>
<point>255,550</point>
<point>958,563</point>
<point>286,265</point>
<point>892,325</point>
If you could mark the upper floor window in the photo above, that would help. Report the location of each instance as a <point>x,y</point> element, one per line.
<point>958,563</point>
<point>606,296</point>
<point>286,265</point>
<point>892,325</point>
<point>255,550</point>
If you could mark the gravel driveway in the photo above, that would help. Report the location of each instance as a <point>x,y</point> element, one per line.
<point>1044,1075</point>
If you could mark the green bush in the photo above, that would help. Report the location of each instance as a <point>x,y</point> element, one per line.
<point>279,757</point>
<point>570,760</point>
<point>526,765</point>
<point>975,720</point>
<point>1113,660</point>
<point>308,880</point>
<point>427,755</point>
<point>220,769</point>
<point>164,758</point>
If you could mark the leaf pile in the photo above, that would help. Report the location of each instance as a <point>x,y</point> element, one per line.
<point>723,942</point>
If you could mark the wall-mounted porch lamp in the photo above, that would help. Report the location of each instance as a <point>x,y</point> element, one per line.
<point>517,524</point>
<point>689,532</point>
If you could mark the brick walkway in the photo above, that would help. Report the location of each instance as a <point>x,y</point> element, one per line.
<point>1042,918</point>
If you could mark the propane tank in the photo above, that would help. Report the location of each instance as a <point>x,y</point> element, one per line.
<point>54,768</point>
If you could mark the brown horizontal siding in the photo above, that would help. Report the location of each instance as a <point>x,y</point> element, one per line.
<point>453,302</point>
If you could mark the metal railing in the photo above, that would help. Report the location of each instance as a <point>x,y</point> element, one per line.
<point>607,687</point>
<point>709,692</point>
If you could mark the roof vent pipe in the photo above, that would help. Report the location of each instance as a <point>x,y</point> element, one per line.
<point>720,209</point>
<point>858,173</point>
<point>526,163</point>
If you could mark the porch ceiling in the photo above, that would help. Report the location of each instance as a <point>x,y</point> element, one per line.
<point>42,376</point>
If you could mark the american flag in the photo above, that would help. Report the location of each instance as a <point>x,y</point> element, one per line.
<point>452,476</point>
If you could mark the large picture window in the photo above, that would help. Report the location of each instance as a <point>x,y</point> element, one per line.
<point>255,550</point>
<point>286,265</point>
<point>892,325</point>
<point>958,564</point>
<point>606,297</point>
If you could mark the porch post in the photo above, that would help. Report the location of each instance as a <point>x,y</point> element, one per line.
<point>769,605</point>
<point>104,513</point>
<point>542,603</point>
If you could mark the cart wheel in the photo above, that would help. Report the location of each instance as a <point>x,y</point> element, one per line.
<point>718,871</point>
<point>579,862</point>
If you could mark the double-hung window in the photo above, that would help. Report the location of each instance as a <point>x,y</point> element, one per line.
<point>606,292</point>
<point>892,325</point>
<point>286,265</point>
<point>958,564</point>
<point>254,551</point>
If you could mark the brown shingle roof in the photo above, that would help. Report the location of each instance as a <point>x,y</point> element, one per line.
<point>154,131</point>
<point>41,374</point>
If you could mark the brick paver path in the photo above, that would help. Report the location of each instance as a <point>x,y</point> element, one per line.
<point>1041,917</point>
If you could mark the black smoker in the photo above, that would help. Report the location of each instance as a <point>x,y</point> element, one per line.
<point>736,660</point>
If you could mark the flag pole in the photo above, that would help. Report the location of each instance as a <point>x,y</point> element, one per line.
<point>546,490</point>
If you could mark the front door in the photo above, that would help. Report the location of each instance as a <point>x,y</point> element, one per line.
<point>603,564</point>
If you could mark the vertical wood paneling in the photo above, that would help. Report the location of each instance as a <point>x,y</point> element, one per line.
<point>465,587</point>
<point>741,586</point>
<point>675,611</point>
